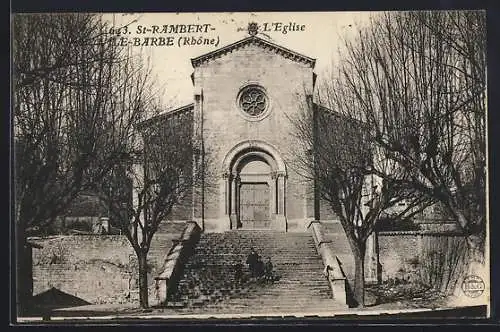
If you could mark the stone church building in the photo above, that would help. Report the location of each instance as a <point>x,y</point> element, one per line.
<point>254,195</point>
<point>245,96</point>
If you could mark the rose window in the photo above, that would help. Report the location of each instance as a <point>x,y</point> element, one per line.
<point>253,101</point>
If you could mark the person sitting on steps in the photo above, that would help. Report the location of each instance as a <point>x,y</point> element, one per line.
<point>268,270</point>
<point>238,273</point>
<point>252,262</point>
<point>259,268</point>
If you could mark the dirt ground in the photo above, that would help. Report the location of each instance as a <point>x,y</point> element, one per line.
<point>403,296</point>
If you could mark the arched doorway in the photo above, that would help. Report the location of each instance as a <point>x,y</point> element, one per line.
<point>255,187</point>
<point>254,193</point>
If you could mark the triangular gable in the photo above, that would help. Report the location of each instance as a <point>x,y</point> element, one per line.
<point>254,40</point>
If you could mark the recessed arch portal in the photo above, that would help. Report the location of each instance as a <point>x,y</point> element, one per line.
<point>254,192</point>
<point>253,147</point>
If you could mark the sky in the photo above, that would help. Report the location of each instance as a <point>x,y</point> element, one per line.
<point>319,38</point>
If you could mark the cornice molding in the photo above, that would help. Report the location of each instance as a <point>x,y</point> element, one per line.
<point>253,40</point>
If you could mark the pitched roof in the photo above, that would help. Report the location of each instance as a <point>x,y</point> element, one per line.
<point>254,40</point>
<point>165,114</point>
<point>337,114</point>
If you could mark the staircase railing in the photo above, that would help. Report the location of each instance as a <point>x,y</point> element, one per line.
<point>333,267</point>
<point>173,267</point>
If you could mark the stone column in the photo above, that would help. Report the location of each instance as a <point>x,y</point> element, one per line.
<point>224,198</point>
<point>237,181</point>
<point>317,215</point>
<point>197,195</point>
<point>234,183</point>
<point>227,193</point>
<point>281,193</point>
<point>280,222</point>
<point>272,192</point>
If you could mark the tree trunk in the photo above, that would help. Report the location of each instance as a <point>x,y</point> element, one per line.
<point>475,241</point>
<point>24,279</point>
<point>475,244</point>
<point>477,263</point>
<point>359,275</point>
<point>143,279</point>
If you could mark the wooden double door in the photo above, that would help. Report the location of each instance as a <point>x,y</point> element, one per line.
<point>254,205</point>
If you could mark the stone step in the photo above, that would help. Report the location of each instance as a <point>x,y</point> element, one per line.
<point>208,279</point>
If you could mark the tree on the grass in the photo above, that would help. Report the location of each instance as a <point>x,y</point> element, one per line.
<point>65,86</point>
<point>162,176</point>
<point>341,162</point>
<point>419,81</point>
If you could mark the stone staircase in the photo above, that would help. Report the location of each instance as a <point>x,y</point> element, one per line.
<point>208,282</point>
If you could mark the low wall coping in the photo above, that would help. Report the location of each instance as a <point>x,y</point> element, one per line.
<point>173,259</point>
<point>310,223</point>
<point>333,267</point>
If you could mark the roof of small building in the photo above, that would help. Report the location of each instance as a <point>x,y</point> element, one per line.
<point>340,115</point>
<point>167,113</point>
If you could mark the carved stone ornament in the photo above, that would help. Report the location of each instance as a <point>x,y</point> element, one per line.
<point>253,28</point>
<point>253,101</point>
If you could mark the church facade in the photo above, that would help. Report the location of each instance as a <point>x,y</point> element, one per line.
<point>245,96</point>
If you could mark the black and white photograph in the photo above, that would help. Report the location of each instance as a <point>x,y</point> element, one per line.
<point>189,166</point>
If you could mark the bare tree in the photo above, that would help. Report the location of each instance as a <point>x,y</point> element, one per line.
<point>65,93</point>
<point>53,107</point>
<point>163,176</point>
<point>341,164</point>
<point>419,79</point>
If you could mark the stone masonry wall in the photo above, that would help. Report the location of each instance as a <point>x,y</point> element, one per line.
<point>396,252</point>
<point>98,268</point>
<point>95,268</point>
<point>412,255</point>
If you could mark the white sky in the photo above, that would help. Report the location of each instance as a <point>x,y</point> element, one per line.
<point>172,66</point>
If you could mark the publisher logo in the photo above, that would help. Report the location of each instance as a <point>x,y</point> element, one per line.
<point>473,286</point>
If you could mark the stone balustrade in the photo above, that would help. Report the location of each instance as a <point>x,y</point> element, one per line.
<point>172,269</point>
<point>333,267</point>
